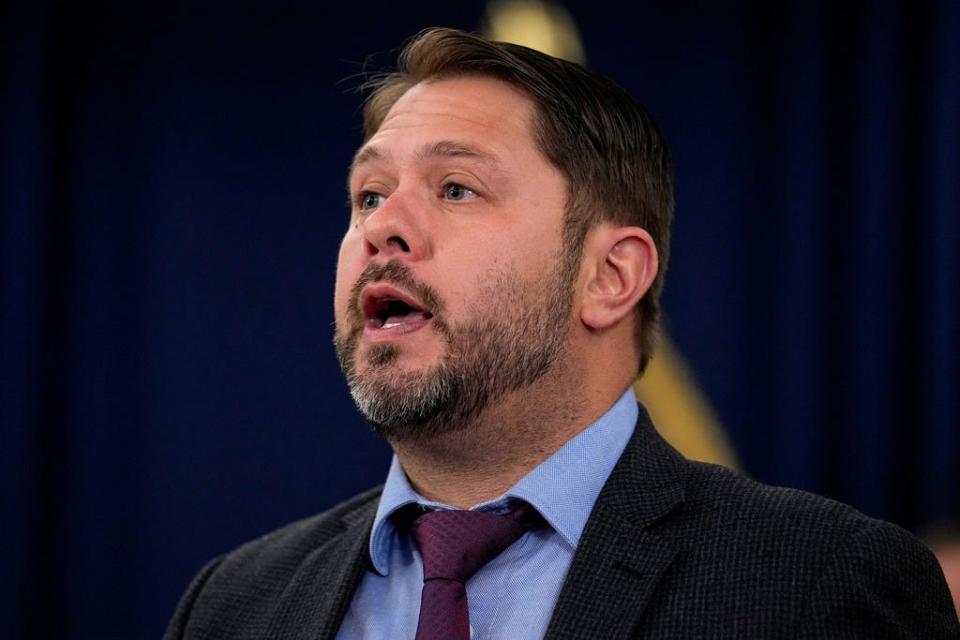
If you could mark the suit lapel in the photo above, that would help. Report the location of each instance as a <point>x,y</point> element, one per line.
<point>618,562</point>
<point>326,580</point>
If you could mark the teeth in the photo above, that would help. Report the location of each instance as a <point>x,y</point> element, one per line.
<point>387,325</point>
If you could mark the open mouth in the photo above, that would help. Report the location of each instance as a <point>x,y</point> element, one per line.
<point>385,307</point>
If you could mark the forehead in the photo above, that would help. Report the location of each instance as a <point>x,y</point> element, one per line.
<point>480,113</point>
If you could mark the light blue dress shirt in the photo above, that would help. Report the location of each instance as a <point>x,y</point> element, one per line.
<point>512,597</point>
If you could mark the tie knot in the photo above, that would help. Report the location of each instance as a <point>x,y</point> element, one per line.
<point>456,544</point>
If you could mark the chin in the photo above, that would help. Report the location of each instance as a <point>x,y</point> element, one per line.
<point>395,357</point>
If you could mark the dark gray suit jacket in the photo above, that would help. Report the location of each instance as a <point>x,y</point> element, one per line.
<point>673,549</point>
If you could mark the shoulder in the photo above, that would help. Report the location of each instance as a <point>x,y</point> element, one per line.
<point>286,547</point>
<point>731,500</point>
<point>772,521</point>
<point>783,549</point>
<point>242,589</point>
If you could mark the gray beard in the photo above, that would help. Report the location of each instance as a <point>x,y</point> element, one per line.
<point>521,336</point>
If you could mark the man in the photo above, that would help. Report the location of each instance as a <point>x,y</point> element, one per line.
<point>496,295</point>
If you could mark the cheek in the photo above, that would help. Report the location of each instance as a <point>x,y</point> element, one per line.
<point>341,296</point>
<point>349,267</point>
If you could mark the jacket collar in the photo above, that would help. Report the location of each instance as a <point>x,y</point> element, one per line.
<point>619,562</point>
<point>327,580</point>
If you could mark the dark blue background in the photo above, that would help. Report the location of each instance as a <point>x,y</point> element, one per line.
<point>172,198</point>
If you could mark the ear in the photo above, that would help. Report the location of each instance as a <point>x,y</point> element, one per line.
<point>621,264</point>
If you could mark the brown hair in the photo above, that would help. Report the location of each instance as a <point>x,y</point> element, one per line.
<point>614,158</point>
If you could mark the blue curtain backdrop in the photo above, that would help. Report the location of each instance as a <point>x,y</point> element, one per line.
<point>171,201</point>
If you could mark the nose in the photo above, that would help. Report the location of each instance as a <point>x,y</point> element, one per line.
<point>394,230</point>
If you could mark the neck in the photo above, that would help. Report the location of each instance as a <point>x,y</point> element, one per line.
<point>480,461</point>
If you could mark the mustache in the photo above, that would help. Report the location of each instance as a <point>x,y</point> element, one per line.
<point>396,273</point>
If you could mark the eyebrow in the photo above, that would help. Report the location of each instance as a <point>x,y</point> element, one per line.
<point>363,156</point>
<point>439,149</point>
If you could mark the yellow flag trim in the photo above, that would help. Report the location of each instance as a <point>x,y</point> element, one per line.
<point>681,412</point>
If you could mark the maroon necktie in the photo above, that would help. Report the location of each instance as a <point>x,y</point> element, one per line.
<point>454,546</point>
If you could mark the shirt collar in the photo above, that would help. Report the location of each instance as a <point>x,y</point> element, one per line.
<point>562,489</point>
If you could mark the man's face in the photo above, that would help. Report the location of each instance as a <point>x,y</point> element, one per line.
<point>451,290</point>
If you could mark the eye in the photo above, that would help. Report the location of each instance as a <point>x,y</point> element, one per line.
<point>457,192</point>
<point>369,200</point>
